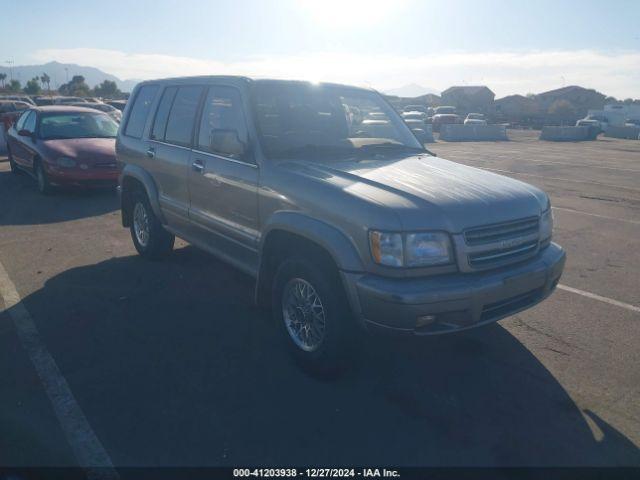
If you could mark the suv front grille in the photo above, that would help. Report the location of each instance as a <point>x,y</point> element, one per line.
<point>493,246</point>
<point>500,232</point>
<point>500,255</point>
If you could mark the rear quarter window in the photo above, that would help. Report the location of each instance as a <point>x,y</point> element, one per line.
<point>140,111</point>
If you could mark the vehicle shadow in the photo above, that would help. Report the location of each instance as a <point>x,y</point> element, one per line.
<point>22,204</point>
<point>172,365</point>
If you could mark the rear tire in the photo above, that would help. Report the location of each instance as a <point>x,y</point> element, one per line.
<point>149,237</point>
<point>313,316</point>
<point>44,187</point>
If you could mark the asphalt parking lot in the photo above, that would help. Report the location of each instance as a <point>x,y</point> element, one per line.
<point>170,363</point>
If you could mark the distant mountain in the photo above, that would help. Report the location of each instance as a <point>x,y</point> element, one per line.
<point>59,72</point>
<point>411,90</point>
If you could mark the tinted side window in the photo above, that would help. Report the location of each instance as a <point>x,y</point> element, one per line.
<point>30,122</point>
<point>223,123</point>
<point>162,114</point>
<point>140,111</point>
<point>182,116</point>
<point>21,120</point>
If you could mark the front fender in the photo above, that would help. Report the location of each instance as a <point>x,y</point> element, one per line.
<point>334,241</point>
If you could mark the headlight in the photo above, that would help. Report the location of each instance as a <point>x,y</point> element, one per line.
<point>66,162</point>
<point>425,249</point>
<point>421,249</point>
<point>546,226</point>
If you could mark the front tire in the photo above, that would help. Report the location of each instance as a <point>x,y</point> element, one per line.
<point>149,237</point>
<point>313,315</point>
<point>44,187</point>
<point>12,163</point>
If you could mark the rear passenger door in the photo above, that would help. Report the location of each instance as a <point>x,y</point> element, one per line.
<point>170,140</point>
<point>223,177</point>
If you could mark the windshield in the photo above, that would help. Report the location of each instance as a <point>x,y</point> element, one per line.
<point>77,125</point>
<point>326,121</point>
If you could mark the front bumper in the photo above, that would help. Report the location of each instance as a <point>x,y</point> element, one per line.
<point>457,301</point>
<point>83,178</point>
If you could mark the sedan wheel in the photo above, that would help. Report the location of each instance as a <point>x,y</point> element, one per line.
<point>41,177</point>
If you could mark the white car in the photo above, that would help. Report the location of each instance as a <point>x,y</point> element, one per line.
<point>113,112</point>
<point>414,115</point>
<point>475,119</point>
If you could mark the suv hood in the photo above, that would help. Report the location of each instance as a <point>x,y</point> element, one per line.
<point>430,192</point>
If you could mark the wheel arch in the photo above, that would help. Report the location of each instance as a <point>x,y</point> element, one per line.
<point>291,232</point>
<point>132,178</point>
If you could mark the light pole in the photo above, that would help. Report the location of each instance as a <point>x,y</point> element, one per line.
<point>10,63</point>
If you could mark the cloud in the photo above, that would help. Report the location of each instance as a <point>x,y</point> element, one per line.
<point>506,73</point>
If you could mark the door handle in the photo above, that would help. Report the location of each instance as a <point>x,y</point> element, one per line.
<point>151,152</point>
<point>198,165</point>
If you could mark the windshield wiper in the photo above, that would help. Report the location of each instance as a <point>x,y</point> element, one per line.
<point>390,146</point>
<point>311,149</point>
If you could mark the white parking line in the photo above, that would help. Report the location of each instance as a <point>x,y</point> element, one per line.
<point>562,179</point>
<point>634,222</point>
<point>593,296</point>
<point>88,450</point>
<point>549,162</point>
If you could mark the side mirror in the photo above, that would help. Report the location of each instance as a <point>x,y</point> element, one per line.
<point>25,133</point>
<point>227,142</point>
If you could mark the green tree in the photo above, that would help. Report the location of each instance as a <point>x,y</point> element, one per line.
<point>107,88</point>
<point>3,77</point>
<point>32,87</point>
<point>562,109</point>
<point>76,87</point>
<point>46,79</point>
<point>14,86</point>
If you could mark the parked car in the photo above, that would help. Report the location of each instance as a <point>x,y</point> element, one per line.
<point>632,122</point>
<point>43,100</point>
<point>345,230</point>
<point>415,108</point>
<point>18,98</point>
<point>415,115</point>
<point>66,100</point>
<point>444,119</point>
<point>64,146</point>
<point>597,122</point>
<point>475,119</point>
<point>9,111</point>
<point>444,110</point>
<point>103,107</point>
<point>119,104</point>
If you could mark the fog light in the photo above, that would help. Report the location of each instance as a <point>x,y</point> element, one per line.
<point>425,320</point>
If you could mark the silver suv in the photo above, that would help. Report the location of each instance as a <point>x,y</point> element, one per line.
<point>347,224</point>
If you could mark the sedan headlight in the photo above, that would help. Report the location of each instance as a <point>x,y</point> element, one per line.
<point>546,226</point>
<point>420,249</point>
<point>66,162</point>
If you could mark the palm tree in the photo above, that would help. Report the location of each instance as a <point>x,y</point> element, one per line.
<point>44,78</point>
<point>3,76</point>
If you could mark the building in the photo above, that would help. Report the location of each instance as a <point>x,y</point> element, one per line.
<point>573,102</point>
<point>516,109</point>
<point>469,99</point>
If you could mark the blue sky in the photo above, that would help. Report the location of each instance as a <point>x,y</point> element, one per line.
<point>514,46</point>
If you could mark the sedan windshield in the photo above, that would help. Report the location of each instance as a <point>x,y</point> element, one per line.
<point>77,125</point>
<point>327,122</point>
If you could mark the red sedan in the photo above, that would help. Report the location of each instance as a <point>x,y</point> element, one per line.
<point>64,146</point>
